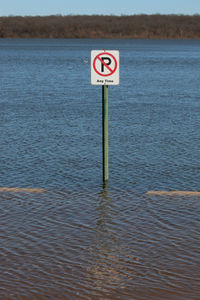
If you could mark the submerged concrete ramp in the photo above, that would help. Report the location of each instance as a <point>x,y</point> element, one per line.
<point>21,190</point>
<point>173,193</point>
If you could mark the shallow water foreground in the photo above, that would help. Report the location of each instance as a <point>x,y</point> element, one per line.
<point>62,245</point>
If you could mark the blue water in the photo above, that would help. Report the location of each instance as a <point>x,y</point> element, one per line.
<point>51,115</point>
<point>78,241</point>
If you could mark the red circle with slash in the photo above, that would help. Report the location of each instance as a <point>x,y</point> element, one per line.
<point>98,57</point>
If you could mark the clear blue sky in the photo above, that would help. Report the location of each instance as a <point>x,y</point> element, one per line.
<point>116,7</point>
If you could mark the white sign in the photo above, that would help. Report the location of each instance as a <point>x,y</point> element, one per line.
<point>104,67</point>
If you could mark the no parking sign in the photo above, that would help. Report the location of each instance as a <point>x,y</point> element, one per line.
<point>104,67</point>
<point>105,72</point>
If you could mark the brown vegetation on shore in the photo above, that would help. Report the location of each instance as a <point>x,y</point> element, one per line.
<point>96,26</point>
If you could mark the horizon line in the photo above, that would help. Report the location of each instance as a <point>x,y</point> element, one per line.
<point>100,14</point>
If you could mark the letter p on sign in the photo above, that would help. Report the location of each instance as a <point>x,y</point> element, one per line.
<point>104,67</point>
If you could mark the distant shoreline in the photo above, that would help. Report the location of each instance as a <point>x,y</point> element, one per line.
<point>97,26</point>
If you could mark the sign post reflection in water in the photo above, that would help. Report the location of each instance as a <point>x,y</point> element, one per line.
<point>105,71</point>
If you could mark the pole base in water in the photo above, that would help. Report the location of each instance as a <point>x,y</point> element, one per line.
<point>105,184</point>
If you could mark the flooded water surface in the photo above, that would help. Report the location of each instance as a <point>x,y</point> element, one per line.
<point>64,236</point>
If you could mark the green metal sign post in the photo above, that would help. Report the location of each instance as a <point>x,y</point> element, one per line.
<point>105,72</point>
<point>105,133</point>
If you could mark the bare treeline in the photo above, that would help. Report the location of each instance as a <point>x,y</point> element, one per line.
<point>96,26</point>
